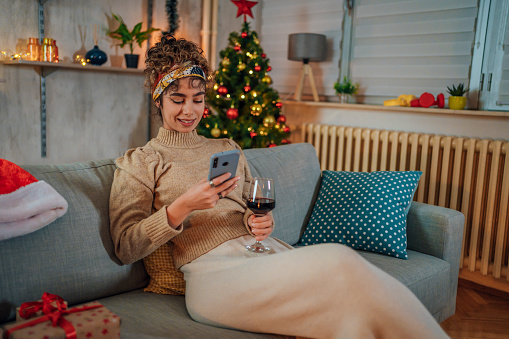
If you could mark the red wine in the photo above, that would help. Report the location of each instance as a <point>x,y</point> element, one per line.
<point>261,205</point>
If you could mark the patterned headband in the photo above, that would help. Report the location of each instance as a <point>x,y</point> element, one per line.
<point>184,70</point>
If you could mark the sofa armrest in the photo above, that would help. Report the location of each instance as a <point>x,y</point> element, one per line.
<point>438,231</point>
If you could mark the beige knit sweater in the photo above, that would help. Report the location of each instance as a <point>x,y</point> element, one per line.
<point>148,179</point>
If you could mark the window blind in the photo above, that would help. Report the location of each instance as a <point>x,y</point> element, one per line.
<point>281,18</point>
<point>411,46</point>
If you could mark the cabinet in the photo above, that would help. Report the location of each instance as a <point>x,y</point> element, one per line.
<point>46,68</point>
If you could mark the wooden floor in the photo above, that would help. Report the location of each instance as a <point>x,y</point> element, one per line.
<point>480,313</point>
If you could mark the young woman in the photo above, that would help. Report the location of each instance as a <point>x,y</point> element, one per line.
<point>191,233</point>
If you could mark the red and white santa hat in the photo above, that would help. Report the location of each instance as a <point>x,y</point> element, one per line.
<point>26,204</point>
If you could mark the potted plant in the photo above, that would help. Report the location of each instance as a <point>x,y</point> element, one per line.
<point>345,89</point>
<point>136,35</point>
<point>457,100</point>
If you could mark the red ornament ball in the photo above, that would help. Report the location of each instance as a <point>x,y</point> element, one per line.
<point>286,129</point>
<point>279,104</point>
<point>285,141</point>
<point>206,112</point>
<point>222,90</point>
<point>244,35</point>
<point>258,68</point>
<point>237,48</point>
<point>281,119</point>
<point>264,55</point>
<point>232,113</point>
<point>269,69</point>
<point>252,134</point>
<point>272,145</point>
<point>247,88</point>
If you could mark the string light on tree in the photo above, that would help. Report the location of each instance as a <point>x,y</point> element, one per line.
<point>243,106</point>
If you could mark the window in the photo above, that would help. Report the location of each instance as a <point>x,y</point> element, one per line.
<point>494,74</point>
<point>281,18</point>
<point>411,47</point>
<point>396,47</point>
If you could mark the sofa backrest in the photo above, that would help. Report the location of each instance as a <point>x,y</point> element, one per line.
<point>74,258</point>
<point>296,173</point>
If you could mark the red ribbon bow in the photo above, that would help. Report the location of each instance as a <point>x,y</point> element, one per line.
<point>49,303</point>
<point>54,314</point>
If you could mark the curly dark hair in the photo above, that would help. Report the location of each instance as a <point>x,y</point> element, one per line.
<point>169,52</point>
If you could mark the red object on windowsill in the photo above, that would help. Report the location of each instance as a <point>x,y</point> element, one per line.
<point>427,100</point>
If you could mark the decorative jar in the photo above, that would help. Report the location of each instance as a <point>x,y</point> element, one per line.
<point>33,49</point>
<point>48,53</point>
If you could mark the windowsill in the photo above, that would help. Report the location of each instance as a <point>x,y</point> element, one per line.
<point>363,107</point>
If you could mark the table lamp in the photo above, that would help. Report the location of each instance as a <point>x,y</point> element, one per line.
<point>306,47</point>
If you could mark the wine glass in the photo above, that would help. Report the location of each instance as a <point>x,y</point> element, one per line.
<point>261,200</point>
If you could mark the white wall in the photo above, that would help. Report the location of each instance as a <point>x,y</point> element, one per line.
<point>90,115</point>
<point>94,115</point>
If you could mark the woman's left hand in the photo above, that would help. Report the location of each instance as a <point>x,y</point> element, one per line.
<point>262,226</point>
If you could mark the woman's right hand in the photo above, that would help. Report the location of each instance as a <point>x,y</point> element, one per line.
<point>200,196</point>
<point>203,195</point>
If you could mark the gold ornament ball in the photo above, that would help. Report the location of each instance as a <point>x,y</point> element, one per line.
<point>256,109</point>
<point>215,132</point>
<point>242,66</point>
<point>226,62</point>
<point>269,121</point>
<point>263,131</point>
<point>216,86</point>
<point>267,79</point>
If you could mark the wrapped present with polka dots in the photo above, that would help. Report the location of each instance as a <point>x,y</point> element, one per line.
<point>91,320</point>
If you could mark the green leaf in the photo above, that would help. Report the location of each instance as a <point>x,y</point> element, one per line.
<point>127,37</point>
<point>136,29</point>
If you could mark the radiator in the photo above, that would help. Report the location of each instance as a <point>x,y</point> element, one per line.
<point>466,174</point>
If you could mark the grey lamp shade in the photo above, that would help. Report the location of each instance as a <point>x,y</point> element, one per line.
<point>307,47</point>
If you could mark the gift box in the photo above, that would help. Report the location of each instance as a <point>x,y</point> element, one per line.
<point>91,320</point>
<point>49,303</point>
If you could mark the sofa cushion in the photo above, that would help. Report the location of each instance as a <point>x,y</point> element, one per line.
<point>363,210</point>
<point>73,256</point>
<point>296,173</point>
<point>148,315</point>
<point>426,276</point>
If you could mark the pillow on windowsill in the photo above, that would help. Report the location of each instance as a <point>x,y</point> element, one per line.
<point>363,210</point>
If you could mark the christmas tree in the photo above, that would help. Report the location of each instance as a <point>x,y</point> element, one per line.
<point>241,105</point>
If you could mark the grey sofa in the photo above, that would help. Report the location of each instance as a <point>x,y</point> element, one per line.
<point>74,257</point>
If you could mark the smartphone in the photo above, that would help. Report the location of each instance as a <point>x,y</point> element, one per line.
<point>223,162</point>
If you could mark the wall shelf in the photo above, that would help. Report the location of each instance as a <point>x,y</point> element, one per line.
<point>49,67</point>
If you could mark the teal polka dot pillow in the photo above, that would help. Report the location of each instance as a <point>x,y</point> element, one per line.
<point>366,211</point>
